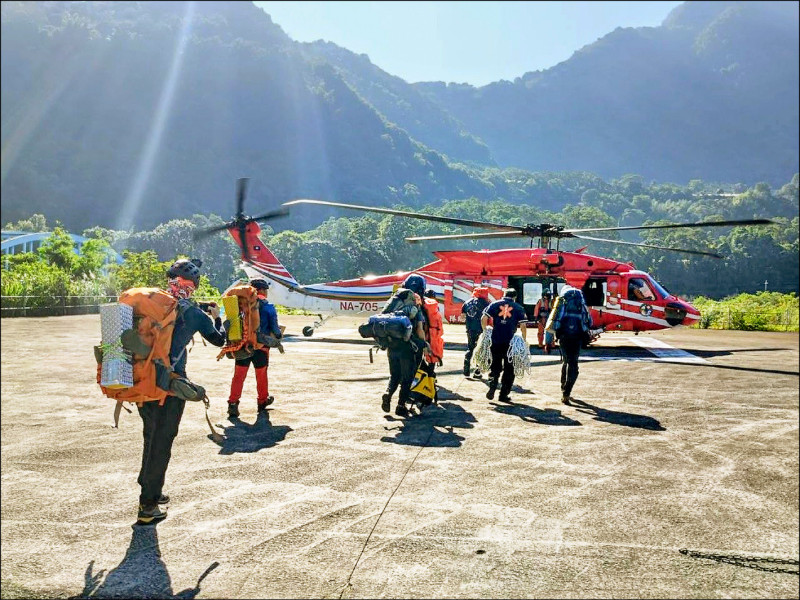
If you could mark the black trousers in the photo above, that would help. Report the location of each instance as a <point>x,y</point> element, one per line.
<point>570,348</point>
<point>402,368</point>
<point>260,359</point>
<point>500,362</point>
<point>160,426</point>
<point>472,341</point>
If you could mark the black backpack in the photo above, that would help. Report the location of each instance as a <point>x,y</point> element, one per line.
<point>570,318</point>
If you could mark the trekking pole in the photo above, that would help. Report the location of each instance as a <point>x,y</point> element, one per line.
<point>215,436</point>
<point>117,410</point>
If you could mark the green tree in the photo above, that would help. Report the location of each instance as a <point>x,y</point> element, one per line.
<point>140,269</point>
<point>58,249</point>
<point>34,224</point>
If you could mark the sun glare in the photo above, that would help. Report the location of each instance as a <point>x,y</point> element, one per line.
<point>150,151</point>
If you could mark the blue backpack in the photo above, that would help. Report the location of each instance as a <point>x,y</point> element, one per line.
<point>384,327</point>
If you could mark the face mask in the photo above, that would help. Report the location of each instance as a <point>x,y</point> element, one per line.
<point>181,288</point>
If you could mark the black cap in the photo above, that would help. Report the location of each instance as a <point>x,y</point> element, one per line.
<point>260,283</point>
<point>510,293</point>
<point>415,283</point>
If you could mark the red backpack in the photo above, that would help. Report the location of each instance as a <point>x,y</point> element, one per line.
<point>435,330</point>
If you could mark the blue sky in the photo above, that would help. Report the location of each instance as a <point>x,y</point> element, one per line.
<point>463,42</point>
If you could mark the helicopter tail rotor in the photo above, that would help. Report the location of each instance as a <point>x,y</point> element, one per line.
<point>240,220</point>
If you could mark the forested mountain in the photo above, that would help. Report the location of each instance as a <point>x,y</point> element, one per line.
<point>711,94</point>
<point>114,115</point>
<point>403,104</point>
<point>128,114</point>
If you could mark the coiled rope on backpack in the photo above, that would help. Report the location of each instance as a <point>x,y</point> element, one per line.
<point>482,357</point>
<point>519,356</point>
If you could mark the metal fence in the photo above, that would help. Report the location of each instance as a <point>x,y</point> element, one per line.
<point>721,317</point>
<point>727,317</point>
<point>54,306</point>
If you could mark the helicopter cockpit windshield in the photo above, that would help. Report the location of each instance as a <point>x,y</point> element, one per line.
<point>660,289</point>
<point>640,290</point>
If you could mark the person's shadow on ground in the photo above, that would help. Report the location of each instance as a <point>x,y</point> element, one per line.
<point>515,388</point>
<point>244,437</point>
<point>442,393</point>
<point>422,429</point>
<point>141,574</point>
<point>531,414</point>
<point>617,418</point>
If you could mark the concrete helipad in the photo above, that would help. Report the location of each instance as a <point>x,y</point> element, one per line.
<point>682,440</point>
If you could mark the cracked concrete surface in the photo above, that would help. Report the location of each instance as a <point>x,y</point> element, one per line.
<point>330,498</point>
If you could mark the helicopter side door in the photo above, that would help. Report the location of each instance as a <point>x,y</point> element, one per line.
<point>460,291</point>
<point>529,291</point>
<point>594,292</point>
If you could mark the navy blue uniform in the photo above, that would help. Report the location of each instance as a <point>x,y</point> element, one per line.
<point>506,316</point>
<point>472,309</point>
<point>160,422</point>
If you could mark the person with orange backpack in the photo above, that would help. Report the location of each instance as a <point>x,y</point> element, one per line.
<point>268,326</point>
<point>434,331</point>
<point>161,419</point>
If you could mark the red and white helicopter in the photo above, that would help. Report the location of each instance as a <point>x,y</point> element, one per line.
<point>620,297</point>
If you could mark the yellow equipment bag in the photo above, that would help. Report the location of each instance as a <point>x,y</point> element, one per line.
<point>241,310</point>
<point>424,385</point>
<point>231,306</point>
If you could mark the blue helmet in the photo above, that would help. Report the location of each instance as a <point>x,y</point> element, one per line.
<point>415,283</point>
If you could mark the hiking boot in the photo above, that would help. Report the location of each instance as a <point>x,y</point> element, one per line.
<point>233,409</point>
<point>149,514</point>
<point>466,371</point>
<point>386,402</point>
<point>163,499</point>
<point>269,400</point>
<point>504,398</point>
<point>477,374</point>
<point>263,406</point>
<point>401,410</point>
<point>565,400</point>
<point>492,388</point>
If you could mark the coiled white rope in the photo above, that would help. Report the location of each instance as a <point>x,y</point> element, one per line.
<point>482,357</point>
<point>519,356</point>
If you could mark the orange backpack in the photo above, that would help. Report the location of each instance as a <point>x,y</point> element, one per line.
<point>154,314</point>
<point>435,329</point>
<point>248,317</point>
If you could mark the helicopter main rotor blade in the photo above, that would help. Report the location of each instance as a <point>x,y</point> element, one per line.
<point>204,233</point>
<point>272,214</point>
<point>464,236</point>
<point>698,252</point>
<point>413,215</point>
<point>241,192</point>
<point>677,225</point>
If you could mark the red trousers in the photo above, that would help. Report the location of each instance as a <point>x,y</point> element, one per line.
<point>260,362</point>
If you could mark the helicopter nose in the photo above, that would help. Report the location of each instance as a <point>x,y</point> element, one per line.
<point>679,312</point>
<point>691,316</point>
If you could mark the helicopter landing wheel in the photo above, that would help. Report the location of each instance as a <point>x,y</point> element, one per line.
<point>308,331</point>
